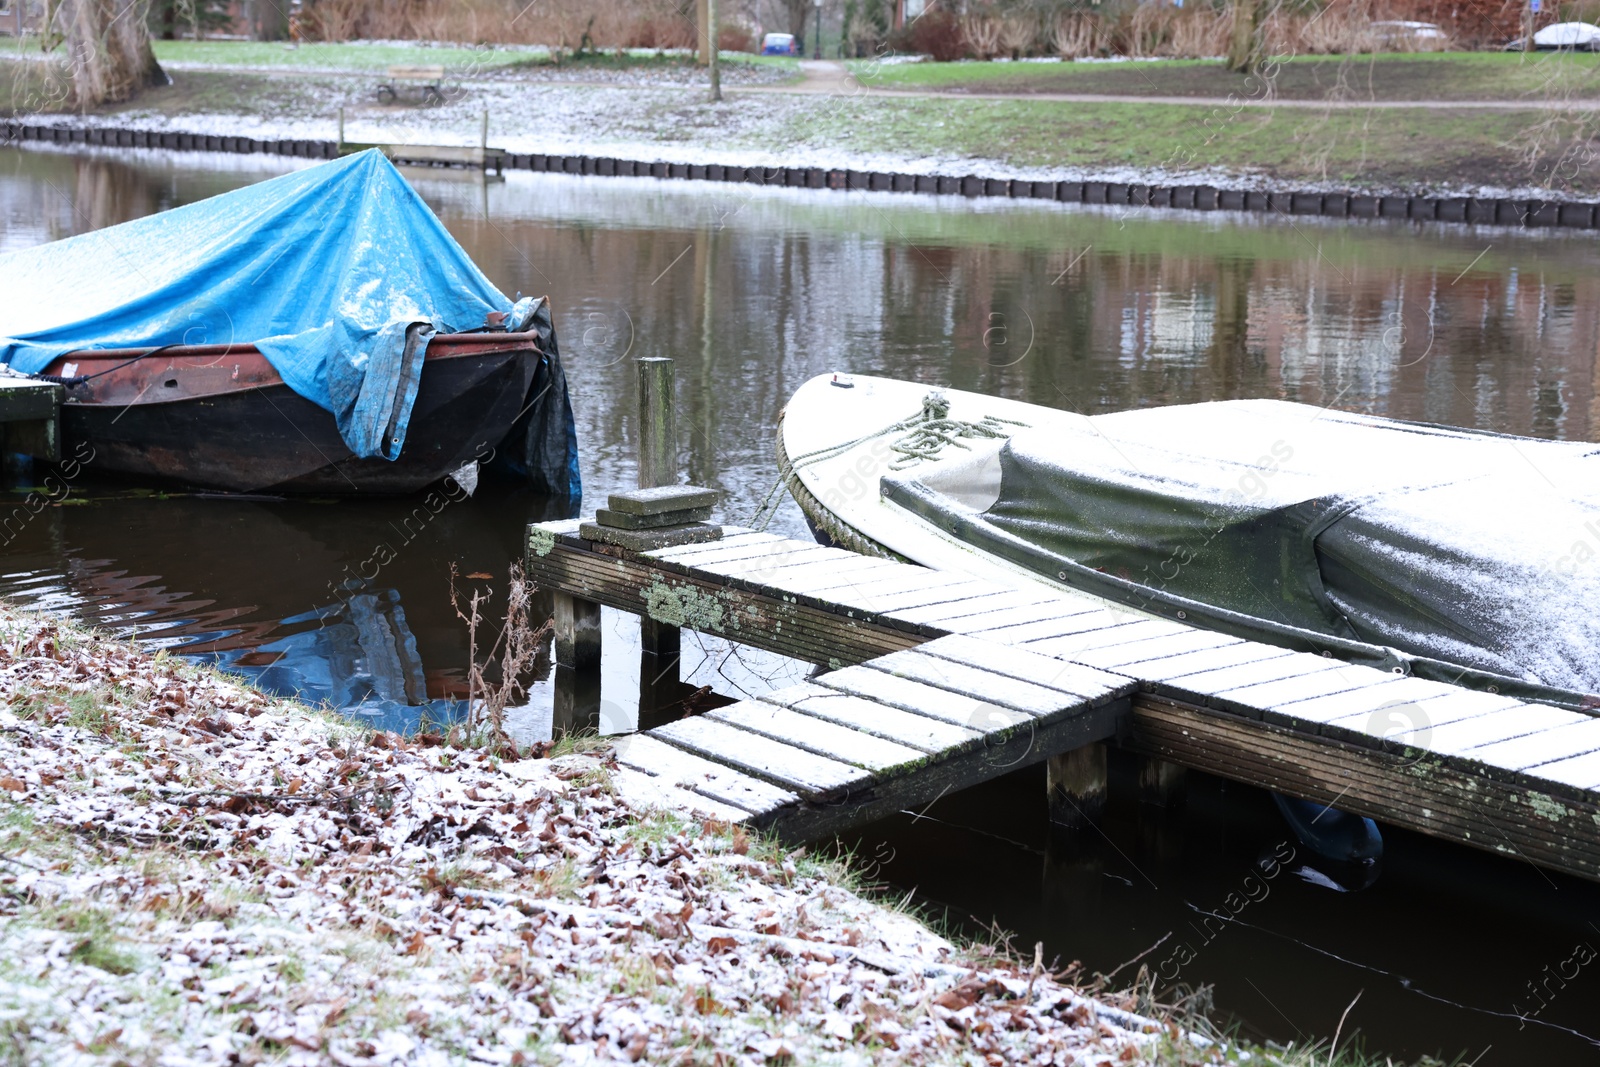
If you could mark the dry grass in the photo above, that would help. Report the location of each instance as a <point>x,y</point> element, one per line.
<point>1195,32</point>
<point>564,25</point>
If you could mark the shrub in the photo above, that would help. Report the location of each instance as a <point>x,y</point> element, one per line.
<point>937,34</point>
<point>735,38</point>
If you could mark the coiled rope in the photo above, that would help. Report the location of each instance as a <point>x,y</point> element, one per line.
<point>922,437</point>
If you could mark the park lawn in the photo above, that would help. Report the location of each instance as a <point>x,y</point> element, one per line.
<point>1395,147</point>
<point>1426,76</point>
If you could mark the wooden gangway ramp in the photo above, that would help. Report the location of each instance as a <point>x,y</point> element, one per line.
<point>934,681</point>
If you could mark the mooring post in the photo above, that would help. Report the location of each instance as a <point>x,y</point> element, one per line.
<point>658,424</point>
<point>660,643</point>
<point>1077,787</point>
<point>341,131</point>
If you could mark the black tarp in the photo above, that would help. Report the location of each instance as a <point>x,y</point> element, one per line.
<point>1472,548</point>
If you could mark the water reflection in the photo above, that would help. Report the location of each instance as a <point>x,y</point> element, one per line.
<point>266,588</point>
<point>752,291</point>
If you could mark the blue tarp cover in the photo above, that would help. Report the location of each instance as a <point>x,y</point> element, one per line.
<point>322,270</point>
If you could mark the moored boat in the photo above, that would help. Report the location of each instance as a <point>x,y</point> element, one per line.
<point>1457,555</point>
<point>318,332</point>
<point>221,417</point>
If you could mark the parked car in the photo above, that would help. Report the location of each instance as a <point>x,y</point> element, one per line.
<point>780,44</point>
<point>1572,36</point>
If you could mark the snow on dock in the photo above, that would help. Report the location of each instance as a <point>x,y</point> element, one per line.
<point>933,682</point>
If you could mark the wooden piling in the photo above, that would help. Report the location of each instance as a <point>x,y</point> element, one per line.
<point>1161,783</point>
<point>658,466</point>
<point>30,418</point>
<point>1077,787</point>
<point>658,424</point>
<point>577,632</point>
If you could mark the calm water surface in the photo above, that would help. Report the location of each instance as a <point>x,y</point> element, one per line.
<point>753,291</point>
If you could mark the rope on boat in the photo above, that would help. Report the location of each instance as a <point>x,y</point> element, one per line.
<point>922,437</point>
<point>78,379</point>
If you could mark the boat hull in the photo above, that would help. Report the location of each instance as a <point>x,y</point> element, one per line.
<point>219,418</point>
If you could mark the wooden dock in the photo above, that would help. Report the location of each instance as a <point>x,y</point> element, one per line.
<point>30,418</point>
<point>472,157</point>
<point>932,682</point>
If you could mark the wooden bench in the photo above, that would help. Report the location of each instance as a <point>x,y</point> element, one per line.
<point>431,79</point>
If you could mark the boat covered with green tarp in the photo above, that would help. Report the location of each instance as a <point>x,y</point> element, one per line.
<point>1455,554</point>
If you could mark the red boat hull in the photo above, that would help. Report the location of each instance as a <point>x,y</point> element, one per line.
<point>219,417</point>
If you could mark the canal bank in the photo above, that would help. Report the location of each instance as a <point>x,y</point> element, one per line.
<point>193,868</point>
<point>1489,209</point>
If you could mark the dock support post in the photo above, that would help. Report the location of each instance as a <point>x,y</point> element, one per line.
<point>1077,787</point>
<point>1161,783</point>
<point>658,466</point>
<point>577,633</point>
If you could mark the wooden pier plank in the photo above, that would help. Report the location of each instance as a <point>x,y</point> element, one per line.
<point>1403,701</point>
<point>653,791</point>
<point>1070,646</point>
<point>1190,663</point>
<point>733,541</point>
<point>1070,679</point>
<point>988,623</point>
<point>1460,738</point>
<point>1091,619</point>
<point>920,732</point>
<point>800,579</point>
<point>813,777</point>
<point>1583,772</point>
<point>1154,648</point>
<point>909,579</point>
<point>890,603</point>
<point>998,755</point>
<point>1388,691</point>
<point>678,768</point>
<point>957,617</point>
<point>1547,746</point>
<point>1339,678</point>
<point>1204,687</point>
<point>763,564</point>
<point>817,736</point>
<point>965,679</point>
<point>974,713</point>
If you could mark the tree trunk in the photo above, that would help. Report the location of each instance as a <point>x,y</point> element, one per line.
<point>269,20</point>
<point>798,10</point>
<point>1244,44</point>
<point>108,49</point>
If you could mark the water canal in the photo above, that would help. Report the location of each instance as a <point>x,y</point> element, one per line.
<point>753,291</point>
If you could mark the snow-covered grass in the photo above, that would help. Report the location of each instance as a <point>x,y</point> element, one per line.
<point>194,873</point>
<point>1411,151</point>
